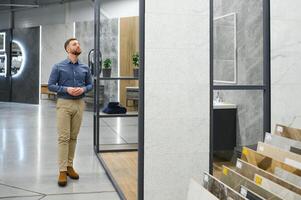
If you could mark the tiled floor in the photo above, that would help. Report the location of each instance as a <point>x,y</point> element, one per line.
<point>28,154</point>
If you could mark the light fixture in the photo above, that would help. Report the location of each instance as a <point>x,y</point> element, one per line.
<point>24,58</point>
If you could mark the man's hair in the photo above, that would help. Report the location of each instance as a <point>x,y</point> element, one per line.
<point>68,41</point>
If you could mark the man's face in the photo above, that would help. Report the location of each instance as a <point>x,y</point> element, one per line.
<point>74,48</point>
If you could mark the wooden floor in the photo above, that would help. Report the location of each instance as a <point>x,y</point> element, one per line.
<point>124,168</point>
<point>218,166</point>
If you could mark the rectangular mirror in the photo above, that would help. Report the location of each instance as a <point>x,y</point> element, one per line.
<point>224,34</point>
<point>2,41</point>
<point>3,65</point>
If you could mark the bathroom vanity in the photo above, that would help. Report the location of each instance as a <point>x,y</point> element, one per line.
<point>224,127</point>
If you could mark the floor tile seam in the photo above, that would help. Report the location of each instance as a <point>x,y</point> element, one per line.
<point>15,187</point>
<point>9,197</point>
<point>72,193</point>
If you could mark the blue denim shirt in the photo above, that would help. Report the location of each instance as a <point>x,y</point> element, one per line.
<point>66,74</point>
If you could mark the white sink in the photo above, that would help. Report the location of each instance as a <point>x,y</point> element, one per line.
<point>223,105</point>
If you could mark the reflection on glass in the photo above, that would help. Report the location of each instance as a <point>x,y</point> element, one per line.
<point>17,58</point>
<point>2,65</point>
<point>225,49</point>
<point>2,41</point>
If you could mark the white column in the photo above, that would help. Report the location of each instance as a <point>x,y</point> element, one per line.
<point>176,96</point>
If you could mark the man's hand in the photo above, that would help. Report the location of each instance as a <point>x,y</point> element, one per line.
<point>75,91</point>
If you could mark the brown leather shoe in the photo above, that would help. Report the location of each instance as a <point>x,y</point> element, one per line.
<point>72,173</point>
<point>62,179</point>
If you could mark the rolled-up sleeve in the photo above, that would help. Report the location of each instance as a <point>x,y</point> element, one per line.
<point>88,81</point>
<point>53,81</point>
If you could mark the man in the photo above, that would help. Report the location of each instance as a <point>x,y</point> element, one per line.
<point>70,79</point>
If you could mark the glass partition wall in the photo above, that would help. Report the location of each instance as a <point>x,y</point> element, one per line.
<point>240,77</point>
<point>115,66</point>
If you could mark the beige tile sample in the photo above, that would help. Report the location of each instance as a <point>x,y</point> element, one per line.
<point>235,181</point>
<point>289,132</point>
<point>281,142</point>
<point>266,163</point>
<point>281,155</point>
<point>289,177</point>
<point>219,189</point>
<point>275,188</point>
<point>247,170</point>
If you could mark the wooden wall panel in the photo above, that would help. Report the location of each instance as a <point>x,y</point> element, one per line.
<point>129,44</point>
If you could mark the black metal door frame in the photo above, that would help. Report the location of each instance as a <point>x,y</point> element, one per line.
<point>265,88</point>
<point>96,80</point>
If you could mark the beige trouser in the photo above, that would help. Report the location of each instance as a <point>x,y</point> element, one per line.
<point>69,118</point>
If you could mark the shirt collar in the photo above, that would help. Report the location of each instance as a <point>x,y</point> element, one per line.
<point>68,61</point>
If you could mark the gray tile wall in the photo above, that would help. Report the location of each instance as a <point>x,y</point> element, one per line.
<point>249,35</point>
<point>84,31</point>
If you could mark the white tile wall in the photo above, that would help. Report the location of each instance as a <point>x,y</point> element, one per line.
<point>285,63</point>
<point>176,96</point>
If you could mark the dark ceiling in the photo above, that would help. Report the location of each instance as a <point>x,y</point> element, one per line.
<point>14,5</point>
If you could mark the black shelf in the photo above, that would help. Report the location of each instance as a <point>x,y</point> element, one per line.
<point>118,78</point>
<point>128,114</point>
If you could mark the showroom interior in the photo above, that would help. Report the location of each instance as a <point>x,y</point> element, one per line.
<point>206,91</point>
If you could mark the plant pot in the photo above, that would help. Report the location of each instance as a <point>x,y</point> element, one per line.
<point>106,72</point>
<point>136,72</point>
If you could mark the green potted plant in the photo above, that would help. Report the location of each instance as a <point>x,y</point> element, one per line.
<point>107,66</point>
<point>135,59</point>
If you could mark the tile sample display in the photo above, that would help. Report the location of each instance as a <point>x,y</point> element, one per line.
<point>247,170</point>
<point>249,194</point>
<point>289,177</point>
<point>295,150</point>
<point>289,132</point>
<point>281,142</point>
<point>275,188</point>
<point>197,191</point>
<point>266,163</point>
<point>219,189</point>
<point>235,181</point>
<point>279,154</point>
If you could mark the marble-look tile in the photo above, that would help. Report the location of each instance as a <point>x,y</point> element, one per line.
<point>28,153</point>
<point>7,191</point>
<point>84,196</point>
<point>84,31</point>
<point>249,114</point>
<point>266,163</point>
<point>197,191</point>
<point>168,6</point>
<point>281,142</point>
<point>279,154</point>
<point>185,57</point>
<point>285,43</point>
<point>289,177</point>
<point>275,188</point>
<point>219,189</point>
<point>176,101</point>
<point>247,170</point>
<point>24,198</point>
<point>176,27</point>
<point>235,181</point>
<point>279,10</point>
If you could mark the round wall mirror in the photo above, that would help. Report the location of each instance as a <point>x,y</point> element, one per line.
<point>17,58</point>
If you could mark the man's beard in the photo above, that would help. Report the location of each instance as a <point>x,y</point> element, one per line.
<point>76,52</point>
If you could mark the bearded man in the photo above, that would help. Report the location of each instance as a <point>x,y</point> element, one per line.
<point>70,79</point>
